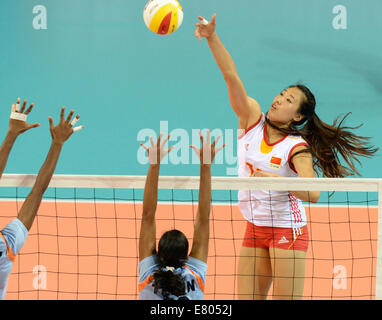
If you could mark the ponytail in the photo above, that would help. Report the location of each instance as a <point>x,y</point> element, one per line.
<point>172,254</point>
<point>330,142</point>
<point>168,283</point>
<point>327,143</point>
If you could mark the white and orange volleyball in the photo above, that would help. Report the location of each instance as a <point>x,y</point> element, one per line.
<point>163,16</point>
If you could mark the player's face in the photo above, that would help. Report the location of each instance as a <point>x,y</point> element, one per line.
<point>285,106</point>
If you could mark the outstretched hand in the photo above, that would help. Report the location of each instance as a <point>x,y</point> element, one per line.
<point>208,151</point>
<point>17,122</point>
<point>64,129</point>
<point>156,151</point>
<point>204,28</point>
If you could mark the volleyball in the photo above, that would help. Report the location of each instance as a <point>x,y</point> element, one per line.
<point>163,16</point>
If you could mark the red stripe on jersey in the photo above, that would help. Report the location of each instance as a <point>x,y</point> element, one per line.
<point>290,153</point>
<point>254,125</point>
<point>295,209</point>
<point>251,127</point>
<point>266,139</point>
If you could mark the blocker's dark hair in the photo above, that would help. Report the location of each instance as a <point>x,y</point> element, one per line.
<point>172,252</point>
<point>327,142</point>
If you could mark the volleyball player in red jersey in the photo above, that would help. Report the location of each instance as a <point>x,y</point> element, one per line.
<point>289,140</point>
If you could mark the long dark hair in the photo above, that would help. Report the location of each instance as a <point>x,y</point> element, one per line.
<point>327,143</point>
<point>172,252</point>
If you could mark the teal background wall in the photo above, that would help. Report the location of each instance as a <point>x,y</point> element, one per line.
<point>98,57</point>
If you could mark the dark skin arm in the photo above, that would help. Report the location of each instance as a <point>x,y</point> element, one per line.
<point>60,134</point>
<point>147,238</point>
<point>201,236</point>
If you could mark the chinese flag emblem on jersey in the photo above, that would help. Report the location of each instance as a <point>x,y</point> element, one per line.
<point>275,163</point>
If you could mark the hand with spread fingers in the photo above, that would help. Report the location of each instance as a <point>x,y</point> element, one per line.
<point>17,125</point>
<point>208,151</point>
<point>18,120</point>
<point>157,151</point>
<point>64,129</point>
<point>204,28</point>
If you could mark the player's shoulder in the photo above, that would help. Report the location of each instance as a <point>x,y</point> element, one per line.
<point>147,266</point>
<point>255,123</point>
<point>296,140</point>
<point>255,110</point>
<point>197,266</point>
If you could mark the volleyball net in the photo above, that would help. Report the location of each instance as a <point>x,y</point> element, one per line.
<point>84,241</point>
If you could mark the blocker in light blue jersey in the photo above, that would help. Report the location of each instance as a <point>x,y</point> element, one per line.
<point>12,238</point>
<point>193,272</point>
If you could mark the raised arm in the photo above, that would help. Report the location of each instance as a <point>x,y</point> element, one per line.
<point>60,134</point>
<point>17,126</point>
<point>206,154</point>
<point>247,109</point>
<point>147,236</point>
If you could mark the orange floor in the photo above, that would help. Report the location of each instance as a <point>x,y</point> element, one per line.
<point>89,251</point>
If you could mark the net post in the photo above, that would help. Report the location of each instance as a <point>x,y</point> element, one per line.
<point>378,286</point>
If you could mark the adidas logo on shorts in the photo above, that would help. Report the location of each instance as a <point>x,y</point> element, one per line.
<point>283,240</point>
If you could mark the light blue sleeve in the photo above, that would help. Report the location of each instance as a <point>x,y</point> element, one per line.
<point>147,267</point>
<point>198,266</point>
<point>15,233</point>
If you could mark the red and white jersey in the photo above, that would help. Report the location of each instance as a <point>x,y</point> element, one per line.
<point>263,207</point>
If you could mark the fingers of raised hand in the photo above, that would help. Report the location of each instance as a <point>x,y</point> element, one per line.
<point>16,107</point>
<point>75,120</point>
<point>23,106</point>
<point>169,149</point>
<point>67,123</point>
<point>73,123</point>
<point>201,137</point>
<point>33,125</point>
<point>197,150</point>
<point>51,123</point>
<point>69,117</point>
<point>197,34</point>
<point>152,142</point>
<point>216,141</point>
<point>213,19</point>
<point>165,141</point>
<point>62,114</point>
<point>144,147</point>
<point>208,137</point>
<point>203,21</point>
<point>29,109</point>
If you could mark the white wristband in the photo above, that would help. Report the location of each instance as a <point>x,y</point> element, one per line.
<point>18,116</point>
